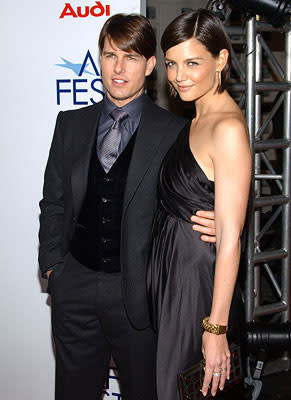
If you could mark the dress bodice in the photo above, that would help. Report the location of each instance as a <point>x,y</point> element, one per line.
<point>183,186</point>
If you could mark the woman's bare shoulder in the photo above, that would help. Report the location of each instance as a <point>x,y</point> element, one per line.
<point>229,123</point>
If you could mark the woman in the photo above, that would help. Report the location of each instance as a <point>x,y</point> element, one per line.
<point>209,165</point>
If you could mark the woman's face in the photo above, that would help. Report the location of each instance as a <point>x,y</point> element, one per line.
<point>191,69</point>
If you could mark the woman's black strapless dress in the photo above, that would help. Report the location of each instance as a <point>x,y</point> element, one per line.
<point>181,267</point>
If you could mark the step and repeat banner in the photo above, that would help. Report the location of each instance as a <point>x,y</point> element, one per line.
<point>49,62</point>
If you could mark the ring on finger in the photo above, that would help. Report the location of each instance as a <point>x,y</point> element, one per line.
<point>223,369</point>
<point>215,373</point>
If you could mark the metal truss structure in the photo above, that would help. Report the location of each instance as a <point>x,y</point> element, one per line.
<point>263,89</point>
<point>278,198</point>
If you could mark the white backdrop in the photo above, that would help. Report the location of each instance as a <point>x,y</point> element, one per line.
<point>45,60</point>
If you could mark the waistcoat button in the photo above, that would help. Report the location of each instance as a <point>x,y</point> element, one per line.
<point>105,260</point>
<point>105,220</point>
<point>105,200</point>
<point>105,240</point>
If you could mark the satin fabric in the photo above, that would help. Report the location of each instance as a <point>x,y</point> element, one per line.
<point>181,267</point>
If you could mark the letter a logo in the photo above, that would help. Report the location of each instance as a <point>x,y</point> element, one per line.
<point>88,57</point>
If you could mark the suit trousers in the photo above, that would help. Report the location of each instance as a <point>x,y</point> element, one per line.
<point>90,324</point>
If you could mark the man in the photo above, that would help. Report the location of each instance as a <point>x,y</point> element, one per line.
<point>95,225</point>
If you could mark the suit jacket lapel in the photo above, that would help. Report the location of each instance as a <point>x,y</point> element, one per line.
<point>83,146</point>
<point>146,145</point>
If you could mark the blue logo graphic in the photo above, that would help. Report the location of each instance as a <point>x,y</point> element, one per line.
<point>74,67</point>
<point>78,88</point>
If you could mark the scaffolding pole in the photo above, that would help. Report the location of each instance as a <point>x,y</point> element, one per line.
<point>286,237</point>
<point>250,118</point>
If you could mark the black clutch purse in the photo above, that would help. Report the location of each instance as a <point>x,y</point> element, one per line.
<point>191,380</point>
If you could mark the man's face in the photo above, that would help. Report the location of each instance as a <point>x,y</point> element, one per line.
<point>123,73</point>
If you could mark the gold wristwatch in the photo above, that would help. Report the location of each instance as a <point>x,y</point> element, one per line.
<point>213,328</point>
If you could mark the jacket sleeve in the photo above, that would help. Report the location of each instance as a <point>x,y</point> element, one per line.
<point>51,233</point>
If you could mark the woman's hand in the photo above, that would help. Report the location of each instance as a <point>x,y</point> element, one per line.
<point>217,355</point>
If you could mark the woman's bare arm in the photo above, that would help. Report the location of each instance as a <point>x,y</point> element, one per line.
<point>232,171</point>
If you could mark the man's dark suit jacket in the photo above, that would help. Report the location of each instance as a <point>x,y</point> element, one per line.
<point>65,187</point>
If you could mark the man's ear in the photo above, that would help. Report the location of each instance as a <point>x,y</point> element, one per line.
<point>151,62</point>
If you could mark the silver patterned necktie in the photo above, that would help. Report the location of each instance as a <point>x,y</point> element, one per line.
<point>109,145</point>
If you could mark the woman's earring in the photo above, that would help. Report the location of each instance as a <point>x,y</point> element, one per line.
<point>219,78</point>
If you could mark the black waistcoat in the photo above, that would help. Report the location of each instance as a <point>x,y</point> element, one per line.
<point>96,240</point>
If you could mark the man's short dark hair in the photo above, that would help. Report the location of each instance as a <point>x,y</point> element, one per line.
<point>130,33</point>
